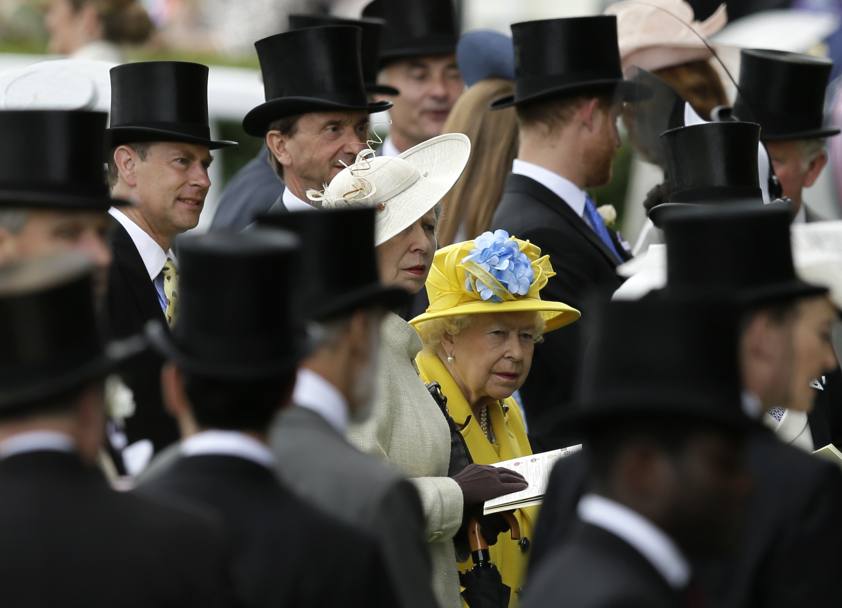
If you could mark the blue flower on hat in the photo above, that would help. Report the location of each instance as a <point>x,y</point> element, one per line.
<point>498,256</point>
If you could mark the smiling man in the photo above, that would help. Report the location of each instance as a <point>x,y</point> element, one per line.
<point>315,118</point>
<point>417,57</point>
<point>160,142</point>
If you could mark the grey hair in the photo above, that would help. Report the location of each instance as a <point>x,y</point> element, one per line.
<point>810,150</point>
<point>434,330</point>
<point>13,220</point>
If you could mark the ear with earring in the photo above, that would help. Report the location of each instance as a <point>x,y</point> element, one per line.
<point>451,358</point>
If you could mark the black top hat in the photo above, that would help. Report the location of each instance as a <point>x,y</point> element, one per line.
<point>370,45</point>
<point>52,342</point>
<point>415,28</point>
<point>784,92</point>
<point>743,250</point>
<point>316,69</point>
<point>661,357</point>
<point>561,57</point>
<point>710,164</point>
<point>54,159</point>
<point>161,101</point>
<point>331,285</point>
<point>237,314</point>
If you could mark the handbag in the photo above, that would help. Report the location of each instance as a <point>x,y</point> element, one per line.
<point>460,456</point>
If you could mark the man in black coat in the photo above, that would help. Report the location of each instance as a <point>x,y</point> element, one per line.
<point>160,153</point>
<point>792,534</point>
<point>667,481</point>
<point>567,98</point>
<point>225,383</point>
<point>68,538</point>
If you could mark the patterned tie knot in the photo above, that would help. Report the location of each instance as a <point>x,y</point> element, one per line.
<point>170,273</point>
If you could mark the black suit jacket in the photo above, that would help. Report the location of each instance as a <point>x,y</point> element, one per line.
<point>285,551</point>
<point>789,548</point>
<point>583,266</point>
<point>130,303</point>
<point>69,540</point>
<point>594,568</point>
<point>252,190</point>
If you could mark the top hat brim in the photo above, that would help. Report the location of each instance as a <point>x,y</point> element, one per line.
<point>57,201</point>
<point>658,212</point>
<point>256,122</point>
<point>373,88</point>
<point>419,48</point>
<point>161,339</point>
<point>116,136</point>
<point>115,355</point>
<point>390,298</point>
<point>626,90</point>
<point>808,134</point>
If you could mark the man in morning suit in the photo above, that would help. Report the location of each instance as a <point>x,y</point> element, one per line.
<point>225,382</point>
<point>792,535</point>
<point>256,187</point>
<point>567,93</point>
<point>69,539</point>
<point>667,481</point>
<point>334,387</point>
<point>160,153</point>
<point>316,115</point>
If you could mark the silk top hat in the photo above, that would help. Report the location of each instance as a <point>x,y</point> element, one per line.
<point>329,285</point>
<point>494,273</point>
<point>415,28</point>
<point>52,342</point>
<point>372,31</point>
<point>54,159</point>
<point>161,101</point>
<point>743,250</point>
<point>784,92</point>
<point>565,57</point>
<point>401,188</point>
<point>665,357</point>
<point>316,69</point>
<point>237,313</point>
<point>710,164</point>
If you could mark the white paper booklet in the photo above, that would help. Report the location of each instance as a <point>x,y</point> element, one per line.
<point>536,470</point>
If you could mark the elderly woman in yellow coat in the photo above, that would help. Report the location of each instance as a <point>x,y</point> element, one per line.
<point>479,332</point>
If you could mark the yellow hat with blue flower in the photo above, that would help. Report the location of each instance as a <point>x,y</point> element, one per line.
<point>492,274</point>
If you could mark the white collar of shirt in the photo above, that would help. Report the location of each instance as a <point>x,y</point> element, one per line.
<point>562,187</point>
<point>388,148</point>
<point>640,533</point>
<point>295,204</point>
<point>318,395</point>
<point>36,441</point>
<point>150,252</point>
<point>228,443</point>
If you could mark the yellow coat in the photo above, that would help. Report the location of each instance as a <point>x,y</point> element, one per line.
<point>511,442</point>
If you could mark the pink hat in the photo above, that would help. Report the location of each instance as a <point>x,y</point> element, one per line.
<point>655,34</point>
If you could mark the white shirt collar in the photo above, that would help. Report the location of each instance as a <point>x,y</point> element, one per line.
<point>562,187</point>
<point>228,443</point>
<point>318,395</point>
<point>36,441</point>
<point>640,533</point>
<point>388,148</point>
<point>295,204</point>
<point>150,252</point>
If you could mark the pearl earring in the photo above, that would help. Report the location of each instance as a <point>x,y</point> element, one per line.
<point>450,358</point>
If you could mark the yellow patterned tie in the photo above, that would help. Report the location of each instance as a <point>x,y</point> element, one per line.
<point>171,290</point>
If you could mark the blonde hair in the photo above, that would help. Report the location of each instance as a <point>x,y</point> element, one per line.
<point>472,201</point>
<point>434,330</point>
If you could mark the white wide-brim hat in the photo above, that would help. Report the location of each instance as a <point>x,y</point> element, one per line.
<point>402,188</point>
<point>817,255</point>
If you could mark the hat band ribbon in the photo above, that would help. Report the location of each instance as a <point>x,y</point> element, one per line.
<point>529,85</point>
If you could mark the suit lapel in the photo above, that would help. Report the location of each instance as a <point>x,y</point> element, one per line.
<point>128,263</point>
<point>528,186</point>
<point>278,206</point>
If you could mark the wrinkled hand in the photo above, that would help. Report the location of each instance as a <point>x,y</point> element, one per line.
<point>480,482</point>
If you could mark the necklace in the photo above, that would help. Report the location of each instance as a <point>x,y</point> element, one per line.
<point>484,425</point>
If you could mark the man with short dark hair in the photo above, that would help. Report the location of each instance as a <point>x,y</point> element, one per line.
<point>418,57</point>
<point>160,153</point>
<point>225,383</point>
<point>567,100</point>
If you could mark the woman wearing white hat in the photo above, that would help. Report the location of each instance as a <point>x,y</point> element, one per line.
<point>407,427</point>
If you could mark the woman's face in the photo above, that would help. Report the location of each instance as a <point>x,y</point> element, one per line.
<point>65,26</point>
<point>812,350</point>
<point>405,259</point>
<point>492,356</point>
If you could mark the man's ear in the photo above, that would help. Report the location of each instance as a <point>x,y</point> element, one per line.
<point>126,159</point>
<point>587,112</point>
<point>8,246</point>
<point>815,169</point>
<point>277,144</point>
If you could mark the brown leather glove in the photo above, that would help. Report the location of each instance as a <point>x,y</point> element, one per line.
<point>481,482</point>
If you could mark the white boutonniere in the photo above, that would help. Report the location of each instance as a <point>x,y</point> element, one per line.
<point>119,399</point>
<point>608,214</point>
